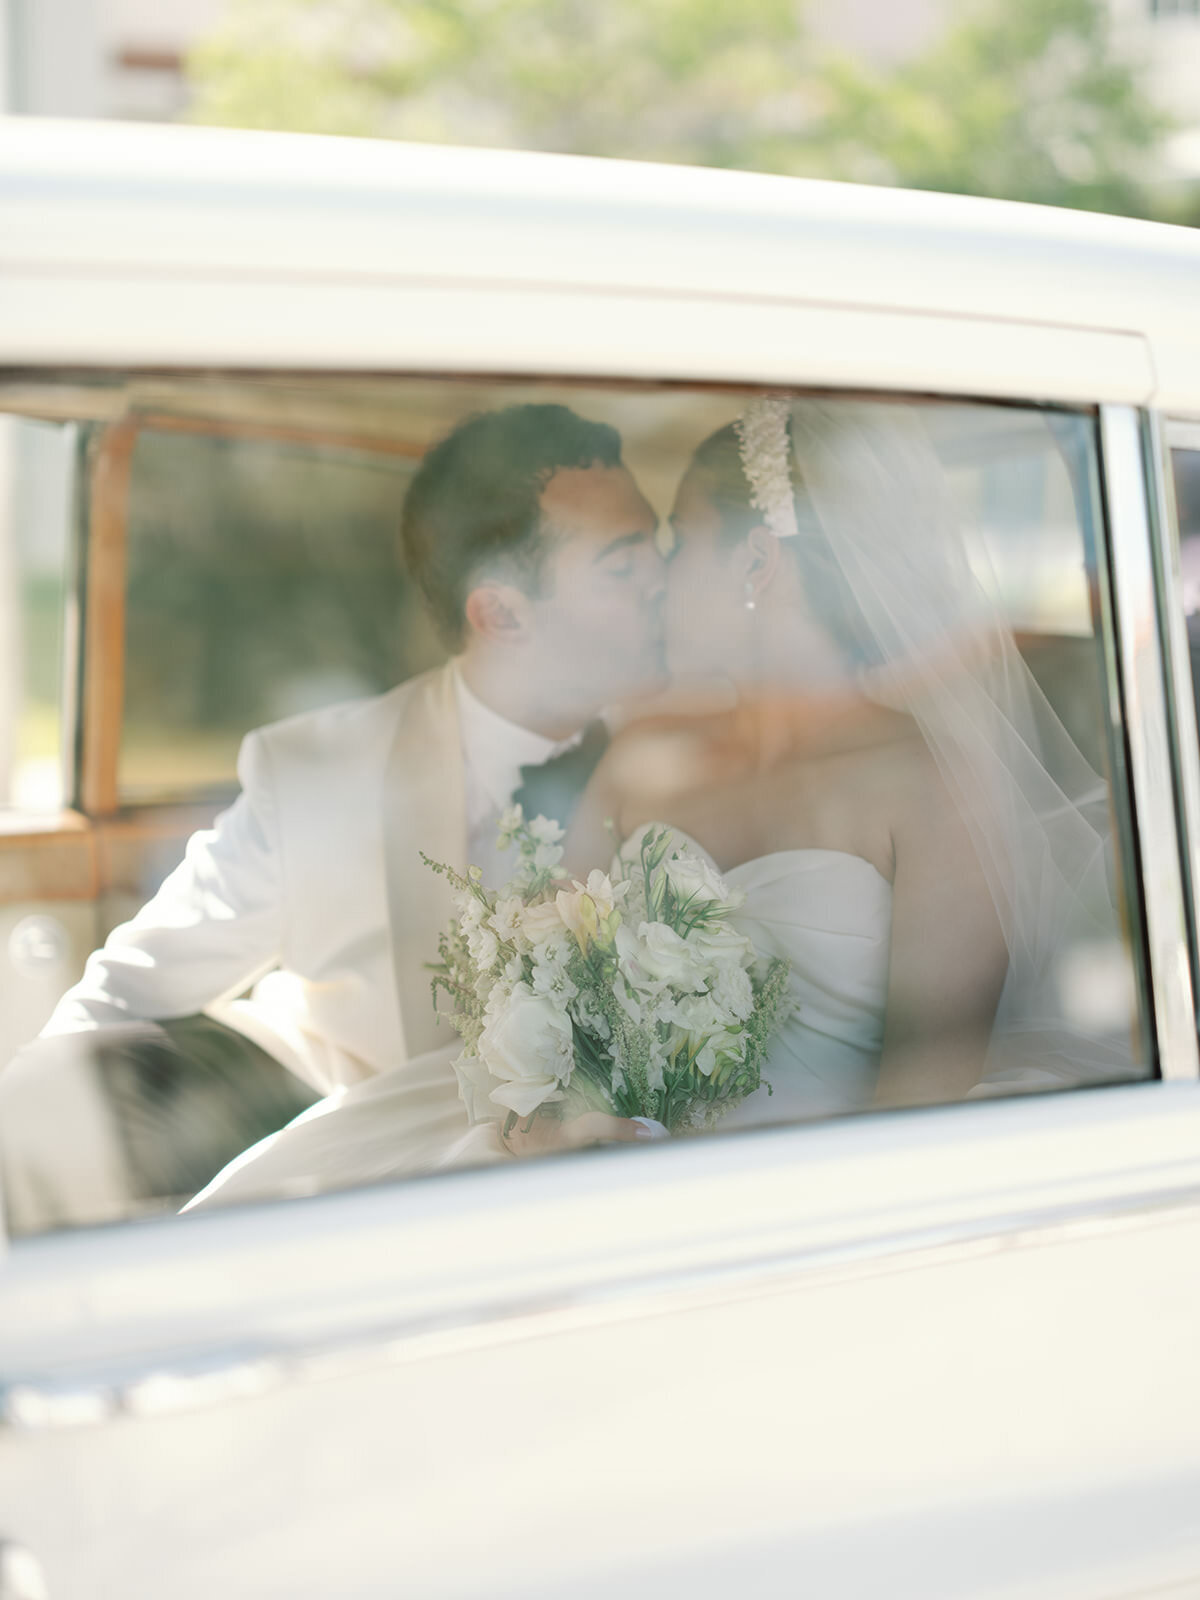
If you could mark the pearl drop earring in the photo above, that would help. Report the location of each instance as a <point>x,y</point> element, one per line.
<point>750,601</point>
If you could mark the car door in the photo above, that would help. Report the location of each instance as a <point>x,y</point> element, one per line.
<point>936,1351</point>
<point>942,1350</point>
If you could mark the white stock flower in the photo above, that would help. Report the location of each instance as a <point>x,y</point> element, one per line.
<point>527,1045</point>
<point>547,856</point>
<point>732,991</point>
<point>694,880</point>
<point>506,918</point>
<point>511,819</point>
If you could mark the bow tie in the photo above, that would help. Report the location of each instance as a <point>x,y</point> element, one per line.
<point>553,789</point>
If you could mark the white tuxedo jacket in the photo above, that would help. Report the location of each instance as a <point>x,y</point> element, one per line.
<point>312,889</point>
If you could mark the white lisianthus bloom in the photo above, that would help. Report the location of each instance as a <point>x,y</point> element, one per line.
<point>472,914</point>
<point>667,958</point>
<point>698,1015</point>
<point>541,922</point>
<point>721,945</point>
<point>545,830</point>
<point>694,880</point>
<point>528,1046</point>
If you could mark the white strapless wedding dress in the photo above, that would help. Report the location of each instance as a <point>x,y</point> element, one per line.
<point>826,913</point>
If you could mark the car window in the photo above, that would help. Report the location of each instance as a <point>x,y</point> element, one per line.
<point>490,770</point>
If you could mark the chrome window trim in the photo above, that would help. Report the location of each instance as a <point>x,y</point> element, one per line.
<point>1185,742</point>
<point>1130,506</point>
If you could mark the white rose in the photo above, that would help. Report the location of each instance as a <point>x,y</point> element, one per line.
<point>527,1044</point>
<point>541,922</point>
<point>694,880</point>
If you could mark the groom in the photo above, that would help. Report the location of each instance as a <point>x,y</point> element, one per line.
<point>536,553</point>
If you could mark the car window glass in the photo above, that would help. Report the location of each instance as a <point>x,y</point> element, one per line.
<point>804,700</point>
<point>1185,465</point>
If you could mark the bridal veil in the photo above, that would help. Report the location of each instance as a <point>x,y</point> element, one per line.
<point>935,639</point>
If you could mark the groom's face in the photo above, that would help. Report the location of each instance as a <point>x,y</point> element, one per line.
<point>598,615</point>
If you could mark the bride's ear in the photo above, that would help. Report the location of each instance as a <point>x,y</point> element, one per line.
<point>757,562</point>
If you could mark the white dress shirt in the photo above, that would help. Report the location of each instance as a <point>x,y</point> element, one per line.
<point>494,751</point>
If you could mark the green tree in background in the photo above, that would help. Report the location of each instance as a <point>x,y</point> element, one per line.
<point>1021,99</point>
<point>712,82</point>
<point>1024,100</point>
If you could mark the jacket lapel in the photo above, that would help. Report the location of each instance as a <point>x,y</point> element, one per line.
<point>424,810</point>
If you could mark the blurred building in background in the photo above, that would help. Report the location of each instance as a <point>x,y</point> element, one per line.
<point>99,58</point>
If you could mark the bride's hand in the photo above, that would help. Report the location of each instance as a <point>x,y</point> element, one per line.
<point>545,1135</point>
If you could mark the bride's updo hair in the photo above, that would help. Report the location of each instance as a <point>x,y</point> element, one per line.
<point>719,463</point>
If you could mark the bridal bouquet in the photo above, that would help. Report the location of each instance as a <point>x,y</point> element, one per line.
<point>629,994</point>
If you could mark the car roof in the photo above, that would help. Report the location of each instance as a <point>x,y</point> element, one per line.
<point>77,196</point>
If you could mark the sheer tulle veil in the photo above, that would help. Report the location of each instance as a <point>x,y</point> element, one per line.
<point>875,501</point>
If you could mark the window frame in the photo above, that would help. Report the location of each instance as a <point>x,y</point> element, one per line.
<point>1162,812</point>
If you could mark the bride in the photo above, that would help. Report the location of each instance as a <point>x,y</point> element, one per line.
<point>908,822</point>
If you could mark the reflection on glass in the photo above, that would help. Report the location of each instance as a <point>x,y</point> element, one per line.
<point>803,703</point>
<point>36,484</point>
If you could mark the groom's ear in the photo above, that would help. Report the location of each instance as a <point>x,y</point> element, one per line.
<point>497,611</point>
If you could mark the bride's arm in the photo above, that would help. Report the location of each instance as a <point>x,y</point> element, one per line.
<point>948,958</point>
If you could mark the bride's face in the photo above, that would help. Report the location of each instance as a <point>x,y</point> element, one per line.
<point>711,629</point>
<point>705,607</point>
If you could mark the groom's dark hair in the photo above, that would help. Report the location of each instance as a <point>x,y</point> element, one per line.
<point>474,503</point>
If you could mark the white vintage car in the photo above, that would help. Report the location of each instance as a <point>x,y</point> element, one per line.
<point>940,1351</point>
